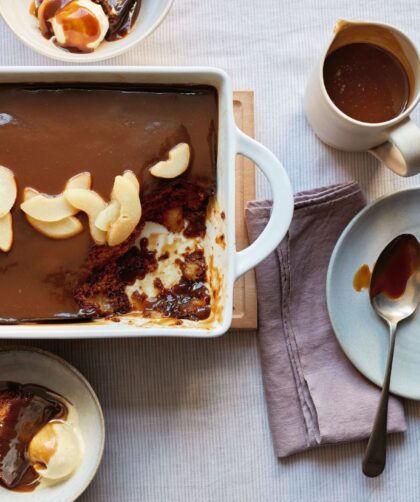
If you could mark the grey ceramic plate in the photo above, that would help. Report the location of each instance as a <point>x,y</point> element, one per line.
<point>361,334</point>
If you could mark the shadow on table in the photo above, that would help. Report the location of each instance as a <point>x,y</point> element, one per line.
<point>317,164</point>
<point>343,462</point>
<point>150,389</point>
<point>161,372</point>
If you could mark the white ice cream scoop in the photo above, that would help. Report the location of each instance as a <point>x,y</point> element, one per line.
<point>56,451</point>
<point>81,25</point>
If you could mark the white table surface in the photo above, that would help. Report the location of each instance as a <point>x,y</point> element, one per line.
<point>186,419</point>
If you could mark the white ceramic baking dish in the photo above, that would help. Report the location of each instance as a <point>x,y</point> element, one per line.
<point>228,264</point>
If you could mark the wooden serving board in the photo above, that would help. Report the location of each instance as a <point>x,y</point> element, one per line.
<point>245,314</point>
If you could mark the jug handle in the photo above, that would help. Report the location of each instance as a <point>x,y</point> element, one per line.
<point>401,153</point>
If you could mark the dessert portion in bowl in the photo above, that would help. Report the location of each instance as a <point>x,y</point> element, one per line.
<point>82,25</point>
<point>108,197</point>
<point>40,440</point>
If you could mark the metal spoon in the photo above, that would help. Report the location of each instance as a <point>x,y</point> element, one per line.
<point>392,310</point>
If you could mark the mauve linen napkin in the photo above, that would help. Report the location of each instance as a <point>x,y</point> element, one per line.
<point>314,394</point>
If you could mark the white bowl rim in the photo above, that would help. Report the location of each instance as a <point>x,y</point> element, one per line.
<point>92,57</point>
<point>89,388</point>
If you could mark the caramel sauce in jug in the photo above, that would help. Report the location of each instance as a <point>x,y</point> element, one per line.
<point>366,82</point>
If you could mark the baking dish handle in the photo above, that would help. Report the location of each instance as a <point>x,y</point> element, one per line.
<point>282,210</point>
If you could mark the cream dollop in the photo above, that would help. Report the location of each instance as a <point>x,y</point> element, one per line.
<point>81,25</point>
<point>56,451</point>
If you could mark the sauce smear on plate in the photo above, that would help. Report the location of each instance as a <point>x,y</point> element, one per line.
<point>361,279</point>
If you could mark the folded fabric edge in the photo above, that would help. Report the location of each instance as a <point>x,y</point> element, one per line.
<point>283,454</point>
<point>313,197</point>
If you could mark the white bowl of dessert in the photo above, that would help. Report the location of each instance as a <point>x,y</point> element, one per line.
<point>51,428</point>
<point>83,31</point>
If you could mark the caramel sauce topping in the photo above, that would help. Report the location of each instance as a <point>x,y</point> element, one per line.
<point>80,26</point>
<point>24,411</point>
<point>46,10</point>
<point>33,8</point>
<point>48,439</point>
<point>122,14</point>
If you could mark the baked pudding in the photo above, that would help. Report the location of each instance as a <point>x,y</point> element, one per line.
<point>107,196</point>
